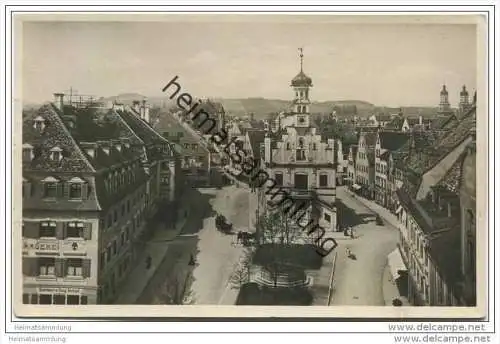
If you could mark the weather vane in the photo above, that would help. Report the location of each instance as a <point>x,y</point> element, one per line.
<point>301,57</point>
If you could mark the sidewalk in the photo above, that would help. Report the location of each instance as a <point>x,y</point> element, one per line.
<point>390,290</point>
<point>156,248</point>
<point>322,280</point>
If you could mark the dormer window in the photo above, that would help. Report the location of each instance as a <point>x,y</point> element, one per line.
<point>39,123</point>
<point>28,154</point>
<point>56,154</point>
<point>50,187</point>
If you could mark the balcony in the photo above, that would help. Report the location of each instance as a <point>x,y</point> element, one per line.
<point>301,193</point>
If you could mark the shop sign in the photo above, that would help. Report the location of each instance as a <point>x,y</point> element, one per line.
<point>60,290</point>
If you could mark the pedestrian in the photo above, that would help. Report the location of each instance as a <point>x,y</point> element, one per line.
<point>149,260</point>
<point>352,233</point>
<point>347,252</point>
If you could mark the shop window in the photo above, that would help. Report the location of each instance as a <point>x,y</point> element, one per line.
<point>83,300</point>
<point>26,299</point>
<point>59,299</point>
<point>45,299</point>
<point>34,299</point>
<point>73,300</point>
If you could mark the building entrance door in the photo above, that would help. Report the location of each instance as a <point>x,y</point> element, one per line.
<point>301,181</point>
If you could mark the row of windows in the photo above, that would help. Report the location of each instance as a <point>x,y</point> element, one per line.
<point>122,240</point>
<point>301,145</point>
<point>50,229</point>
<point>192,146</point>
<point>54,299</point>
<point>123,210</point>
<point>379,181</point>
<point>56,189</point>
<point>362,168</point>
<point>117,179</point>
<point>29,153</point>
<point>323,179</point>
<point>380,168</point>
<point>56,267</point>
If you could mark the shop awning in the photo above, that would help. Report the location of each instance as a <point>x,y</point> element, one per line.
<point>396,264</point>
<point>356,186</point>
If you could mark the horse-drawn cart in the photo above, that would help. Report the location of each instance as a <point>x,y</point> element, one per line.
<point>222,225</point>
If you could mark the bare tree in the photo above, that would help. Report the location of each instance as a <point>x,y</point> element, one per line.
<point>175,291</point>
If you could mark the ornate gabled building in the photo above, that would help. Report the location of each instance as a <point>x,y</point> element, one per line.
<point>365,164</point>
<point>301,161</point>
<point>91,179</point>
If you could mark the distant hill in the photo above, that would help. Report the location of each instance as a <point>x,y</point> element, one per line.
<point>261,107</point>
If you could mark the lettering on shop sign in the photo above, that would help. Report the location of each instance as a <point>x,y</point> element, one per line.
<point>60,290</point>
<point>46,246</point>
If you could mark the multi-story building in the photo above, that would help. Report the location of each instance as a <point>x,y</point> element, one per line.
<point>90,182</point>
<point>437,215</point>
<point>387,142</point>
<point>301,161</point>
<point>195,163</point>
<point>365,163</point>
<point>351,165</point>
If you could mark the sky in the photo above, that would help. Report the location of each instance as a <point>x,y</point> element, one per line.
<point>385,64</point>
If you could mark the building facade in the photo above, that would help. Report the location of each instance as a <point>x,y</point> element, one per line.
<point>301,161</point>
<point>365,163</point>
<point>90,183</point>
<point>437,215</point>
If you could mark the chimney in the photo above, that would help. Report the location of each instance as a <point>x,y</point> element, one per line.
<point>136,106</point>
<point>59,100</point>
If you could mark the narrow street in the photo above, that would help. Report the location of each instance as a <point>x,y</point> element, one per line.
<point>360,281</point>
<point>217,252</point>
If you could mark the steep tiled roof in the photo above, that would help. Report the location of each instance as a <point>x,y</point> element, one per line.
<point>410,206</point>
<point>385,156</point>
<point>441,121</point>
<point>392,140</point>
<point>451,180</point>
<point>54,134</point>
<point>370,138</point>
<point>396,123</point>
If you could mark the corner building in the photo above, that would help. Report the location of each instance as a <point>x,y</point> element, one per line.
<point>92,178</point>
